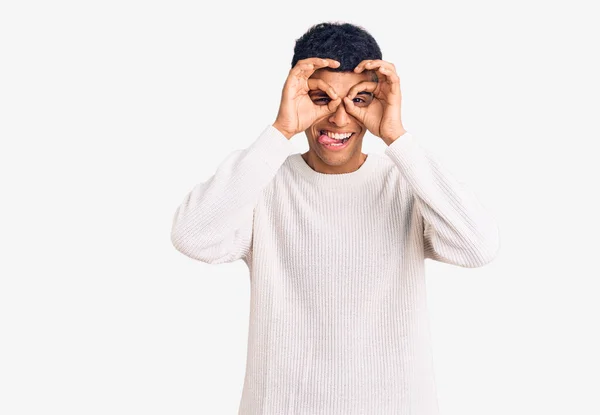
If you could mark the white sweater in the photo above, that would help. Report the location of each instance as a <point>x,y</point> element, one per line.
<point>338,318</point>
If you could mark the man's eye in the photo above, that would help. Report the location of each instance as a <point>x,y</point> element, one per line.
<point>356,99</point>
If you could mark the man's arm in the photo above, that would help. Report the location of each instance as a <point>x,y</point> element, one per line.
<point>214,222</point>
<point>457,228</point>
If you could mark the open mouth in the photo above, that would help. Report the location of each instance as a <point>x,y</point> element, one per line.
<point>334,141</point>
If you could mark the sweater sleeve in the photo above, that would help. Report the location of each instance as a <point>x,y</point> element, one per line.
<point>214,223</point>
<point>458,230</point>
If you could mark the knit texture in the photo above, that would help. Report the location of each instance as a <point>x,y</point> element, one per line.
<point>338,309</point>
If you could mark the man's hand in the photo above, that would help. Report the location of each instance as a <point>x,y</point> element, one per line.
<point>297,111</point>
<point>382,116</point>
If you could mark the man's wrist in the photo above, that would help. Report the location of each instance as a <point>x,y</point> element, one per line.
<point>390,141</point>
<point>282,131</point>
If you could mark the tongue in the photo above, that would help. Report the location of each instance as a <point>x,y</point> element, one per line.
<point>325,139</point>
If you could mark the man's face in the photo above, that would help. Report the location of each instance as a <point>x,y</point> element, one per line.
<point>338,122</point>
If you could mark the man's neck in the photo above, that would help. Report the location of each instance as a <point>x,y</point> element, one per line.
<point>315,163</point>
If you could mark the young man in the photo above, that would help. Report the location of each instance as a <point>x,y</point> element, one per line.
<point>335,239</point>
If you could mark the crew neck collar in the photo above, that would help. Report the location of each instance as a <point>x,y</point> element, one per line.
<point>352,178</point>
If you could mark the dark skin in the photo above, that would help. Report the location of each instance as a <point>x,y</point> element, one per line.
<point>315,98</point>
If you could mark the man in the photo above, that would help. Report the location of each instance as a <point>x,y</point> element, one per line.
<point>335,239</point>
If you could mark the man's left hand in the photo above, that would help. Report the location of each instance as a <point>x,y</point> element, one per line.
<point>382,116</point>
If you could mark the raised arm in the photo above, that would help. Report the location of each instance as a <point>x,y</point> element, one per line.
<point>214,223</point>
<point>458,230</point>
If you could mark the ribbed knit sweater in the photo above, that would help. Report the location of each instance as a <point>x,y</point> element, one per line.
<point>338,311</point>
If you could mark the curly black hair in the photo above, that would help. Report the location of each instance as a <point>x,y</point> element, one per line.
<point>345,42</point>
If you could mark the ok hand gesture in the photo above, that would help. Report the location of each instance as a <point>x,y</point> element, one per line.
<point>297,111</point>
<point>382,116</point>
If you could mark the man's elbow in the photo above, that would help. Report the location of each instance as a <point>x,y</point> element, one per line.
<point>181,244</point>
<point>487,249</point>
<point>213,251</point>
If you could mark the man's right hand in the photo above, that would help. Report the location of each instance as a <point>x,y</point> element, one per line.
<point>297,111</point>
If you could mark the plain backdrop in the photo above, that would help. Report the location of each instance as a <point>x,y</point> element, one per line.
<point>111,112</point>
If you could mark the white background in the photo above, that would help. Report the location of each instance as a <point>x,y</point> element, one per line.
<point>110,112</point>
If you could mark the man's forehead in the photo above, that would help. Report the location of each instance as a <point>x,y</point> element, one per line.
<point>342,80</point>
<point>319,93</point>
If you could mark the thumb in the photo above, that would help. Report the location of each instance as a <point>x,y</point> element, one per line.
<point>330,107</point>
<point>353,110</point>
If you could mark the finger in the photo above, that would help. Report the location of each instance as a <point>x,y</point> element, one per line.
<point>391,78</point>
<point>314,84</point>
<point>361,66</point>
<point>384,69</point>
<point>331,106</point>
<point>368,86</point>
<point>390,74</point>
<point>385,74</point>
<point>306,67</point>
<point>374,64</point>
<point>353,110</point>
<point>315,60</point>
<point>335,100</point>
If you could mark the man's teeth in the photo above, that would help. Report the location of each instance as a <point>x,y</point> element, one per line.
<point>337,136</point>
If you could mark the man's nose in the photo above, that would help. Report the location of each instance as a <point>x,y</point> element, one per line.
<point>340,117</point>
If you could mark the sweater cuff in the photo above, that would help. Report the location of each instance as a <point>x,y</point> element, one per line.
<point>402,146</point>
<point>272,147</point>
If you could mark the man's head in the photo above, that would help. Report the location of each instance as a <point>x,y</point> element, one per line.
<point>348,44</point>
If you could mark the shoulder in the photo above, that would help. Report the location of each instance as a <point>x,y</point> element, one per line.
<point>384,166</point>
<point>387,173</point>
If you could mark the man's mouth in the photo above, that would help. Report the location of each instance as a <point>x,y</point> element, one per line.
<point>332,140</point>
